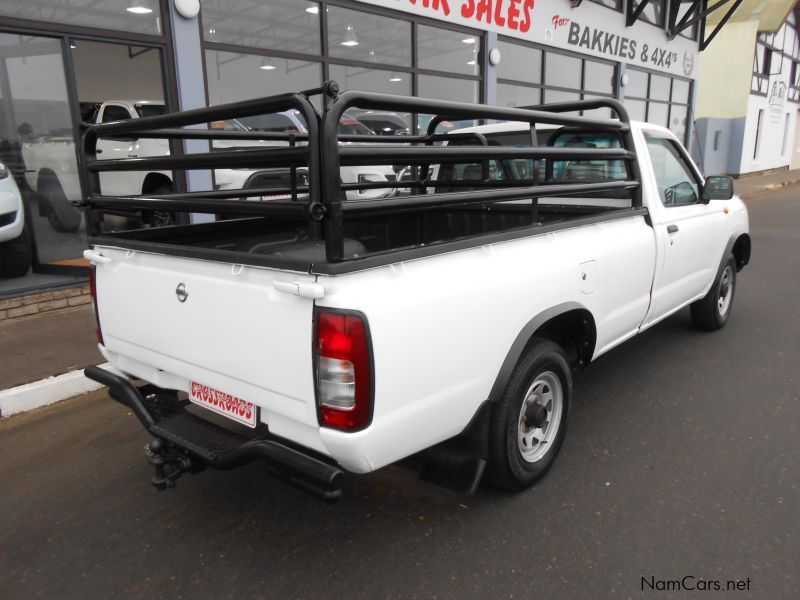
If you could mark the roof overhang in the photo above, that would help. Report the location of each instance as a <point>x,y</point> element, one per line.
<point>712,15</point>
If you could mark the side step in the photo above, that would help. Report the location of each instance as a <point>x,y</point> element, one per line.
<point>185,443</point>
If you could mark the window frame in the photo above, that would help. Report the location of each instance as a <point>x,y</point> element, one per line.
<point>325,60</point>
<point>684,159</point>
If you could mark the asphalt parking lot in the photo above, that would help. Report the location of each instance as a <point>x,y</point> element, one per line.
<point>683,459</point>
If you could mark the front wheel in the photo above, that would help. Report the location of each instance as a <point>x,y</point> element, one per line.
<point>530,420</point>
<point>713,310</point>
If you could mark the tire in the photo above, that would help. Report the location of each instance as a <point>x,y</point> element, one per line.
<point>16,255</point>
<point>160,218</point>
<point>713,310</point>
<point>518,456</point>
<point>62,216</point>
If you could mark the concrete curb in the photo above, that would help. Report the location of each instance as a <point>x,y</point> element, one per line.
<point>46,391</point>
<point>782,184</point>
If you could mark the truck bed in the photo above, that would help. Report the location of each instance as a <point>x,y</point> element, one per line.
<point>368,240</point>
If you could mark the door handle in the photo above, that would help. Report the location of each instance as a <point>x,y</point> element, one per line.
<point>672,229</point>
<point>98,151</point>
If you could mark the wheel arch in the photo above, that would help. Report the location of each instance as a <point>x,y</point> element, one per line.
<point>741,250</point>
<point>153,181</point>
<point>570,325</point>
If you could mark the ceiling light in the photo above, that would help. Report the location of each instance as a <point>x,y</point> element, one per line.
<point>313,10</point>
<point>395,79</point>
<point>470,40</point>
<point>267,64</point>
<point>72,45</point>
<point>139,7</point>
<point>350,38</point>
<point>471,62</point>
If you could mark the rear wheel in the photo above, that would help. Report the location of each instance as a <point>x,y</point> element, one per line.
<point>530,420</point>
<point>714,309</point>
<point>62,216</point>
<point>16,255</point>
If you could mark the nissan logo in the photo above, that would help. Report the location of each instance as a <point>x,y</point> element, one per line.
<point>181,292</point>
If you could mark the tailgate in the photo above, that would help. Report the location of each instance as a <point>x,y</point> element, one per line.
<point>233,331</point>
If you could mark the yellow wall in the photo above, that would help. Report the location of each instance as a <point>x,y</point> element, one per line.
<point>726,67</point>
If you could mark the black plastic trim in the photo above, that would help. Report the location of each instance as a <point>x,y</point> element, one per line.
<point>521,342</point>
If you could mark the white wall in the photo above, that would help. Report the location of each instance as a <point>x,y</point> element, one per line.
<point>772,151</point>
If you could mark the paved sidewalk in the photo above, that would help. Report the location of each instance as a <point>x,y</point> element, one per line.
<point>40,346</point>
<point>756,185</point>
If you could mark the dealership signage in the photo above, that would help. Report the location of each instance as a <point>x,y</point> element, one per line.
<point>588,29</point>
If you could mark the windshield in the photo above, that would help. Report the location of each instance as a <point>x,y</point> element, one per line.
<point>150,110</point>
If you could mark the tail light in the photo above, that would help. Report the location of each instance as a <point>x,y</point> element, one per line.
<point>93,292</point>
<point>344,370</point>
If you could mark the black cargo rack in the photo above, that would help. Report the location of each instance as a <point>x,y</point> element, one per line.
<point>321,203</point>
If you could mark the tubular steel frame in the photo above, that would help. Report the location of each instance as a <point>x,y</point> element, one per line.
<point>322,151</point>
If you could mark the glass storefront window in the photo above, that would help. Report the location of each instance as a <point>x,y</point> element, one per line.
<point>520,63</point>
<point>654,11</point>
<point>562,71</point>
<point>657,113</point>
<point>449,51</point>
<point>598,77</point>
<point>551,96</point>
<point>637,83</point>
<point>659,87</point>
<point>371,80</point>
<point>637,109</point>
<point>37,144</point>
<point>135,16</point>
<point>677,120</point>
<point>354,35</point>
<point>233,76</point>
<point>448,88</point>
<point>517,95</point>
<point>680,91</point>
<point>290,25</point>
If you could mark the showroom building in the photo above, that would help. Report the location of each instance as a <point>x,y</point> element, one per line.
<point>60,61</point>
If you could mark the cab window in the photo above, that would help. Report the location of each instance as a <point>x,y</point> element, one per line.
<point>677,183</point>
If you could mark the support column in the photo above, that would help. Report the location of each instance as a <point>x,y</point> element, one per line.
<point>188,50</point>
<point>489,72</point>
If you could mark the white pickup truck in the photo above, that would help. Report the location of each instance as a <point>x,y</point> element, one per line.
<point>332,335</point>
<point>50,164</point>
<point>15,241</point>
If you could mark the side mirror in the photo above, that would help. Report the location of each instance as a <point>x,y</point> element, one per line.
<point>718,187</point>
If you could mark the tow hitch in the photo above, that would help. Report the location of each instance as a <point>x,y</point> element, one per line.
<point>169,464</point>
<point>185,443</point>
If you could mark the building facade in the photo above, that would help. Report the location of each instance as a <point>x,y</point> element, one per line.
<point>59,61</point>
<point>747,100</point>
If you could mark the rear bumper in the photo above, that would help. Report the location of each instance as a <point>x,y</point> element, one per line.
<point>184,442</point>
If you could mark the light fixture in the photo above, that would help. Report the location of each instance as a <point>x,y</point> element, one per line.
<point>350,38</point>
<point>474,60</point>
<point>72,44</point>
<point>139,7</point>
<point>313,10</point>
<point>212,34</point>
<point>469,40</point>
<point>267,64</point>
<point>395,78</point>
